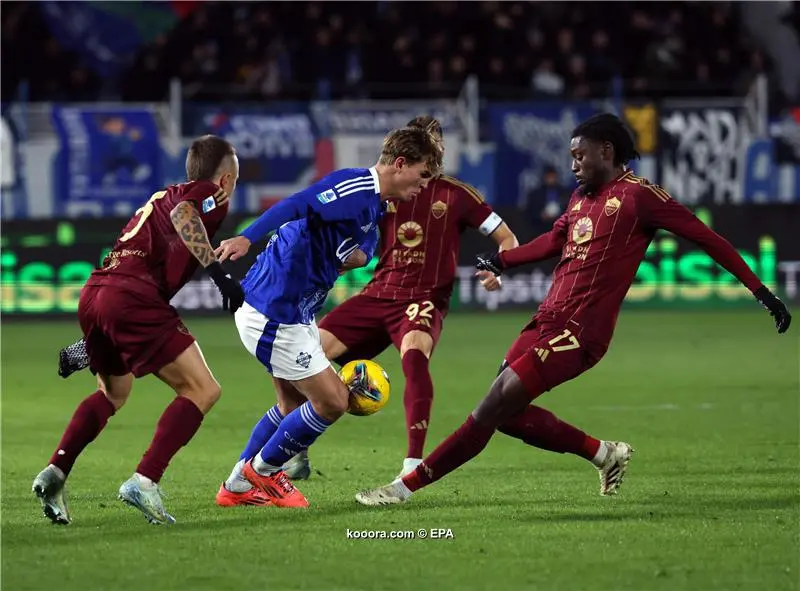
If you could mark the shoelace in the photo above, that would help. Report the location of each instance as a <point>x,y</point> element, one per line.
<point>283,481</point>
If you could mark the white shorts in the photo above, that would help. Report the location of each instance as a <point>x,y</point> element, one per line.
<point>288,351</point>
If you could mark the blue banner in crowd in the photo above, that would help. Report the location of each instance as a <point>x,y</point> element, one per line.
<point>107,159</point>
<point>275,145</point>
<point>530,138</point>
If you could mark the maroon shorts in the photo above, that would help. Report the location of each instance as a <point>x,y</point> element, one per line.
<point>129,332</point>
<point>368,325</point>
<point>546,355</point>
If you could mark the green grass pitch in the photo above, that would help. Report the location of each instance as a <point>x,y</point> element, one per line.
<point>711,501</point>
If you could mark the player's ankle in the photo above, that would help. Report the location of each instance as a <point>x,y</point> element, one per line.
<point>263,468</point>
<point>144,481</point>
<point>601,455</point>
<point>401,489</point>
<point>58,471</point>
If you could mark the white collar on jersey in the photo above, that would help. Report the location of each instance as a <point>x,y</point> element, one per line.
<point>374,174</point>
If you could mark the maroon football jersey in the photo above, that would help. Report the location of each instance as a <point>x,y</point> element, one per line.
<point>149,254</point>
<point>602,238</point>
<point>420,241</point>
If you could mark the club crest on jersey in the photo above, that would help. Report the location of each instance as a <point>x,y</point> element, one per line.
<point>582,230</point>
<point>326,196</point>
<point>438,209</point>
<point>612,205</point>
<point>209,203</point>
<point>410,234</point>
<point>303,359</point>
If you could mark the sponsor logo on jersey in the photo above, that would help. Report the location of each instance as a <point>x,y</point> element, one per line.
<point>410,234</point>
<point>577,206</point>
<point>366,228</point>
<point>612,205</point>
<point>438,209</point>
<point>391,207</point>
<point>326,196</point>
<point>582,230</point>
<point>209,203</point>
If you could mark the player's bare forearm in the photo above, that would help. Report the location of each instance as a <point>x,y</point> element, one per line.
<point>505,238</point>
<point>356,260</point>
<point>186,220</point>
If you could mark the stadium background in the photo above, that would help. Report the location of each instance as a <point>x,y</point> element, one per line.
<point>99,102</point>
<point>99,113</point>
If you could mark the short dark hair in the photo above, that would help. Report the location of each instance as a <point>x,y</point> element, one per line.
<point>428,123</point>
<point>205,156</point>
<point>606,127</point>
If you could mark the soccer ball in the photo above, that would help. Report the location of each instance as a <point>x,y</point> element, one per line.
<point>368,384</point>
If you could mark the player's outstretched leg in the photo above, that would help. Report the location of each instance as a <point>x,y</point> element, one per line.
<point>417,399</point>
<point>541,428</point>
<point>197,392</point>
<point>86,423</point>
<point>507,397</point>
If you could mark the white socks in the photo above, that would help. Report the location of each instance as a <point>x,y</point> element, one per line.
<point>410,464</point>
<point>602,455</point>
<point>400,489</point>
<point>262,467</point>
<point>144,481</point>
<point>236,482</point>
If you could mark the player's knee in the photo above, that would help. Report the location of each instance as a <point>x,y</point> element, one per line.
<point>332,346</point>
<point>211,393</point>
<point>116,389</point>
<point>287,406</point>
<point>204,394</point>
<point>331,409</point>
<point>418,340</point>
<point>332,406</point>
<point>507,397</point>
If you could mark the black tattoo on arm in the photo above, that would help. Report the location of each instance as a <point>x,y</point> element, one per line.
<point>190,228</point>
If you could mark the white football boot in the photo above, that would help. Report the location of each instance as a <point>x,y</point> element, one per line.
<point>147,498</point>
<point>393,493</point>
<point>613,469</point>
<point>49,487</point>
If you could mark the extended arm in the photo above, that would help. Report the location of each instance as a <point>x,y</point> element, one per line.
<point>191,230</point>
<point>541,248</point>
<point>659,210</point>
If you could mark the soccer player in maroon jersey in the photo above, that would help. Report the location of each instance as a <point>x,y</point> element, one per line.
<point>602,237</point>
<point>407,300</point>
<point>130,329</point>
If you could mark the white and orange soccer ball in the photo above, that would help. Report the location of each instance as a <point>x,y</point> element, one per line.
<point>369,386</point>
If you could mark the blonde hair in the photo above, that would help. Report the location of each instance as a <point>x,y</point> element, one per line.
<point>416,145</point>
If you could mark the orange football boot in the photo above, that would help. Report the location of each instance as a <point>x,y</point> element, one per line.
<point>276,487</point>
<point>254,496</point>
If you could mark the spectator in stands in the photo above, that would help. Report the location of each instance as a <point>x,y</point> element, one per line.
<point>547,201</point>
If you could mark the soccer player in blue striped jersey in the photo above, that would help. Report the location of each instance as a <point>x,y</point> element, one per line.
<point>322,231</point>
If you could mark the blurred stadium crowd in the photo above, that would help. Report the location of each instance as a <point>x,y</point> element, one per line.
<point>305,50</point>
